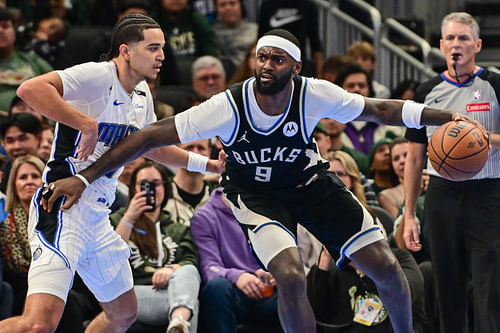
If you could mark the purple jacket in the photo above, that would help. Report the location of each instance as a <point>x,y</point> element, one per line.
<point>223,248</point>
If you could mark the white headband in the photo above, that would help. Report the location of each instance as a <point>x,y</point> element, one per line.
<point>280,42</point>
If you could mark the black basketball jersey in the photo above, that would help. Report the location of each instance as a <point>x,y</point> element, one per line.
<point>279,157</point>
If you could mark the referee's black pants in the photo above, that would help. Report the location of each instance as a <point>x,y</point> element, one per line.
<point>462,222</point>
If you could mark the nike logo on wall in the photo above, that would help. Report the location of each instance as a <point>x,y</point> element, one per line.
<point>116,103</point>
<point>278,20</point>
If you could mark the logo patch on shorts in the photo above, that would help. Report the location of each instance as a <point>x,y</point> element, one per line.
<point>37,253</point>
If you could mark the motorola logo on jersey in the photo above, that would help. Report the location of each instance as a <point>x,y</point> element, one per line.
<point>290,129</point>
<point>110,134</point>
<point>264,155</point>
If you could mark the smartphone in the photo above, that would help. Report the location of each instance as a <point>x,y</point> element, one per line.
<point>150,188</point>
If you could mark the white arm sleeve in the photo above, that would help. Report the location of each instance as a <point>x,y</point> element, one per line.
<point>214,117</point>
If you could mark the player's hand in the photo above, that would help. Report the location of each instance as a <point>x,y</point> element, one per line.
<point>71,187</point>
<point>218,166</point>
<point>460,117</point>
<point>160,277</point>
<point>88,141</point>
<point>411,234</point>
<point>136,207</point>
<point>250,285</point>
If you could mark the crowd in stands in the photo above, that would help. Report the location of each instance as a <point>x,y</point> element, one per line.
<point>192,265</point>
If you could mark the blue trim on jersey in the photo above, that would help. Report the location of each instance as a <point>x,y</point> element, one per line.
<point>35,201</point>
<point>249,114</point>
<point>466,82</point>
<point>342,254</point>
<point>71,166</point>
<point>59,224</point>
<point>302,109</point>
<point>236,115</point>
<point>75,143</point>
<point>58,232</point>
<point>279,225</point>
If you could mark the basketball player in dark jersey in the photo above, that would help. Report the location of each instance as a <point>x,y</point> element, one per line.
<point>275,177</point>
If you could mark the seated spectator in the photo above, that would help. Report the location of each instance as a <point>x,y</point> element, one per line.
<point>301,19</point>
<point>162,110</point>
<point>15,66</point>
<point>164,256</point>
<point>335,130</point>
<point>364,54</point>
<point>323,140</point>
<point>6,296</point>
<point>233,287</point>
<point>334,65</point>
<point>209,77</point>
<point>188,33</point>
<point>380,166</point>
<point>46,140</point>
<point>21,135</point>
<point>392,198</point>
<point>121,195</point>
<point>190,190</point>
<point>48,41</point>
<point>20,106</point>
<point>339,297</point>
<point>362,134</point>
<point>246,69</point>
<point>233,33</point>
<point>405,90</point>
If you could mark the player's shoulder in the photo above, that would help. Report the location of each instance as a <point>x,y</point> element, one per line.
<point>91,70</point>
<point>492,77</point>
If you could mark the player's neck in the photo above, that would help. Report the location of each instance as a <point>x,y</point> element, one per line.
<point>126,76</point>
<point>275,104</point>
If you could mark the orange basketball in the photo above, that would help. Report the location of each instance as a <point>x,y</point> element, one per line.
<point>458,150</point>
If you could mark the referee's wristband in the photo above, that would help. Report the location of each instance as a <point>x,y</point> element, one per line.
<point>83,179</point>
<point>411,114</point>
<point>197,163</point>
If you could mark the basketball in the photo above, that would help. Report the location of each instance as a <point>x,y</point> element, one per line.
<point>458,150</point>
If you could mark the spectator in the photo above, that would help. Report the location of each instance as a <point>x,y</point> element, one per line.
<point>188,34</point>
<point>164,256</point>
<point>233,33</point>
<point>48,41</point>
<point>122,188</point>
<point>334,65</point>
<point>162,110</point>
<point>20,106</point>
<point>15,66</point>
<point>21,135</point>
<point>322,138</point>
<point>405,90</point>
<point>189,190</point>
<point>393,197</point>
<point>46,140</point>
<point>246,69</point>
<point>301,19</point>
<point>364,54</point>
<point>380,166</point>
<point>361,134</point>
<point>232,291</point>
<point>209,77</point>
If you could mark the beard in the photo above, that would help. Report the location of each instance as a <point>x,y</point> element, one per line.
<point>274,87</point>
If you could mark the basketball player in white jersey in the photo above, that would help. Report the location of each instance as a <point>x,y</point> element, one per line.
<point>275,178</point>
<point>96,105</point>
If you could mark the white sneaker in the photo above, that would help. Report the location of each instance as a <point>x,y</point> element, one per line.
<point>178,325</point>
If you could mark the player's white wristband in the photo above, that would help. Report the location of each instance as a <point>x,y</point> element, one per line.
<point>83,179</point>
<point>197,163</point>
<point>412,113</point>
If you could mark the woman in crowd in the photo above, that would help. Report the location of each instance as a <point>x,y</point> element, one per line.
<point>164,256</point>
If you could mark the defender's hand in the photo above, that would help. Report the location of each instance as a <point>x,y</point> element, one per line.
<point>71,187</point>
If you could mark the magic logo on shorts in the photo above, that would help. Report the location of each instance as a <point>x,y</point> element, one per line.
<point>110,134</point>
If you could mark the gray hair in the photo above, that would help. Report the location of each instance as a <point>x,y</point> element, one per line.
<point>462,17</point>
<point>206,61</point>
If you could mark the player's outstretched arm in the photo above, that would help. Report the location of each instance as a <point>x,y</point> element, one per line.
<point>158,134</point>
